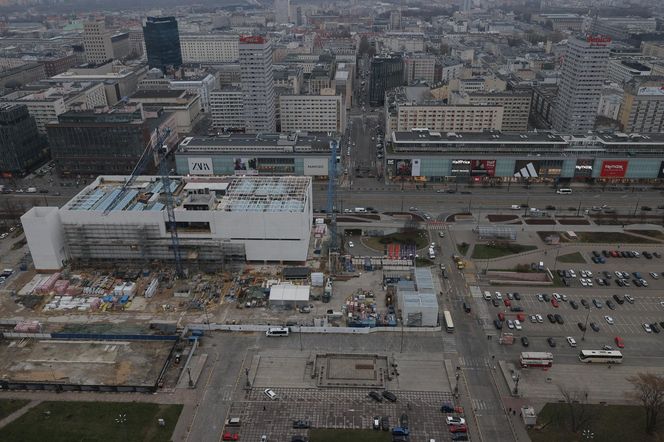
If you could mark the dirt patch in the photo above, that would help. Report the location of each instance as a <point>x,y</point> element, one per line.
<point>540,222</point>
<point>500,218</point>
<point>452,218</point>
<point>346,219</point>
<point>573,221</point>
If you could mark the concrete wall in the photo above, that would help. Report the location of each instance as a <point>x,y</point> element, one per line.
<point>43,230</point>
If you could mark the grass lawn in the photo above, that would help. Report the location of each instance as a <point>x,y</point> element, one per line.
<point>320,435</point>
<point>575,257</point>
<point>93,421</point>
<point>463,248</point>
<point>8,406</point>
<point>612,237</point>
<point>652,233</point>
<point>609,423</point>
<point>417,237</point>
<point>486,251</point>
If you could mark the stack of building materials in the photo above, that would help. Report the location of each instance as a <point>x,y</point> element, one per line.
<point>317,279</point>
<point>61,286</point>
<point>152,288</point>
<point>28,327</point>
<point>46,286</point>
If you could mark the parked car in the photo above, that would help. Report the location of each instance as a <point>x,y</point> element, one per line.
<point>270,394</point>
<point>581,326</point>
<point>551,341</point>
<point>619,342</point>
<point>376,423</point>
<point>389,396</point>
<point>571,341</point>
<point>594,326</point>
<point>385,423</point>
<point>559,319</point>
<point>458,428</point>
<point>551,318</point>
<point>375,396</point>
<point>453,420</point>
<point>524,341</point>
<point>300,423</point>
<point>647,328</point>
<point>609,320</point>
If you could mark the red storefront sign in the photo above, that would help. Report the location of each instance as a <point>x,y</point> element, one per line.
<point>598,40</point>
<point>614,169</point>
<point>483,167</point>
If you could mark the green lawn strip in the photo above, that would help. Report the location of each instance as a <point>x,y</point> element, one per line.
<point>652,233</point>
<point>8,406</point>
<point>463,248</point>
<point>612,237</point>
<point>608,423</point>
<point>486,251</point>
<point>417,237</point>
<point>323,435</point>
<point>575,257</point>
<point>93,421</point>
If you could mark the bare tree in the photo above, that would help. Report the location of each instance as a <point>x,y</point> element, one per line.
<point>577,408</point>
<point>649,390</point>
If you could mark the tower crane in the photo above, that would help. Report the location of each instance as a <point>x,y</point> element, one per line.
<point>159,149</point>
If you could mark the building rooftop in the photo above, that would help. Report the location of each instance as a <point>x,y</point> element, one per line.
<point>423,136</point>
<point>229,194</point>
<point>160,93</point>
<point>304,142</point>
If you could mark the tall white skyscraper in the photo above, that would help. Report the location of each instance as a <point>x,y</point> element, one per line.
<point>282,13</point>
<point>582,76</point>
<point>97,42</point>
<point>257,82</point>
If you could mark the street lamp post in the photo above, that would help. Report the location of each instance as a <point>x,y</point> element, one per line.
<point>585,327</point>
<point>122,421</point>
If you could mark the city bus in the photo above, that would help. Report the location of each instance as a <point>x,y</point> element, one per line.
<point>601,356</point>
<point>277,331</point>
<point>449,324</point>
<point>536,359</point>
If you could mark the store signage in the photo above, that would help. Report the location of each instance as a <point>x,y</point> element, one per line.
<point>614,169</point>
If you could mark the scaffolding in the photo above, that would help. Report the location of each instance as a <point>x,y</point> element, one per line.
<point>266,194</point>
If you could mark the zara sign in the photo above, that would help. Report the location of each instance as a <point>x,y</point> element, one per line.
<point>200,166</point>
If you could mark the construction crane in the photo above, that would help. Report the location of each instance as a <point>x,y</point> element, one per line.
<point>159,149</point>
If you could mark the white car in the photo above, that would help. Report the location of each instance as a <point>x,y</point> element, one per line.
<point>636,254</point>
<point>572,273</point>
<point>499,296</point>
<point>571,341</point>
<point>583,282</point>
<point>564,297</point>
<point>533,319</point>
<point>540,319</point>
<point>609,320</point>
<point>515,207</point>
<point>453,420</point>
<point>557,296</point>
<point>643,282</point>
<point>350,244</point>
<point>4,235</point>
<point>654,275</point>
<point>583,274</point>
<point>647,328</point>
<point>540,298</point>
<point>510,323</point>
<point>589,273</point>
<point>270,393</point>
<point>487,295</point>
<point>517,324</point>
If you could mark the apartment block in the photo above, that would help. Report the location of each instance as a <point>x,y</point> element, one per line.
<point>209,48</point>
<point>316,113</point>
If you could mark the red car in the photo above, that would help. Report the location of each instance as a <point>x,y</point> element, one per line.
<point>230,436</point>
<point>521,317</point>
<point>507,302</point>
<point>458,428</point>
<point>501,316</point>
<point>614,253</point>
<point>619,342</point>
<point>554,302</point>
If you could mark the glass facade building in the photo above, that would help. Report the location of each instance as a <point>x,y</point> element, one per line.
<point>162,42</point>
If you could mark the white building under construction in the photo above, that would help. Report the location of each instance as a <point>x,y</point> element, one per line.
<point>218,219</point>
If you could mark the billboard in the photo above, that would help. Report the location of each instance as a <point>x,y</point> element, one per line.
<point>483,168</point>
<point>316,166</point>
<point>652,91</point>
<point>614,168</point>
<point>526,169</point>
<point>245,166</point>
<point>200,166</point>
<point>416,169</point>
<point>403,168</point>
<point>460,167</point>
<point>584,167</point>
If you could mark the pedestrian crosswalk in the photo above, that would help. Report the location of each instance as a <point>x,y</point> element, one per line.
<point>479,404</point>
<point>473,362</point>
<point>449,344</point>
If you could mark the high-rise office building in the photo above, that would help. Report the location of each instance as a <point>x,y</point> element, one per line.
<point>257,84</point>
<point>582,76</point>
<point>162,42</point>
<point>386,74</point>
<point>97,42</point>
<point>642,110</point>
<point>282,11</point>
<point>21,146</point>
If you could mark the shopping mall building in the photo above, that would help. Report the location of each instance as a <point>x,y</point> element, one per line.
<point>424,155</point>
